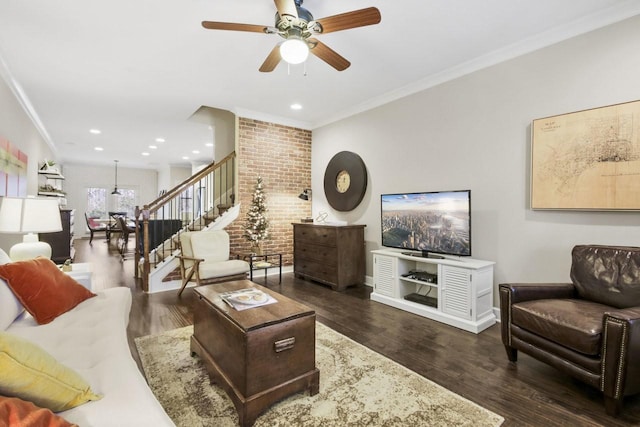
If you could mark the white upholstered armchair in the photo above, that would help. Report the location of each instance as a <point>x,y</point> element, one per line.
<point>205,259</point>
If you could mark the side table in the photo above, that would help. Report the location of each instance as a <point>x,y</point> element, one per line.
<point>263,262</point>
<point>82,273</point>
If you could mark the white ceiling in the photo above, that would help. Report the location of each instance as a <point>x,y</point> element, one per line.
<point>137,70</point>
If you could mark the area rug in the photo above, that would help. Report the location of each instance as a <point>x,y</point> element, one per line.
<point>358,387</point>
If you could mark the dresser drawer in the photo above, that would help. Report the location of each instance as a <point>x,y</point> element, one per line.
<point>317,235</point>
<point>330,254</point>
<point>323,254</point>
<point>316,270</point>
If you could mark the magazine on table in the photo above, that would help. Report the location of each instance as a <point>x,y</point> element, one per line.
<point>244,299</point>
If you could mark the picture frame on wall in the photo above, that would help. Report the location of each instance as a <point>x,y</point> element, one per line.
<point>587,160</point>
<point>13,170</point>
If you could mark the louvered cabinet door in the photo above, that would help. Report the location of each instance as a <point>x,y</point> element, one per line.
<point>384,274</point>
<point>456,291</point>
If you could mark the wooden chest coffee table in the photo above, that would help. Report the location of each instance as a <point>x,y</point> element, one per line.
<point>259,355</point>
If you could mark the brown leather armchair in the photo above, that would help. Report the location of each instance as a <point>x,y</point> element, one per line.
<point>589,328</point>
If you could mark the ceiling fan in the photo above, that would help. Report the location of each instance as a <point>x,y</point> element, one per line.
<point>297,25</point>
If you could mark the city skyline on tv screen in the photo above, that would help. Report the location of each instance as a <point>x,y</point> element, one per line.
<point>438,222</point>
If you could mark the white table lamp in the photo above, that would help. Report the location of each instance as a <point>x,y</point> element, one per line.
<point>30,216</point>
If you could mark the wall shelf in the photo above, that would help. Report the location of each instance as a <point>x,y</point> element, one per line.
<point>51,185</point>
<point>50,194</point>
<point>50,174</point>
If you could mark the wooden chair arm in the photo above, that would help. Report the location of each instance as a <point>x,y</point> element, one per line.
<point>189,258</point>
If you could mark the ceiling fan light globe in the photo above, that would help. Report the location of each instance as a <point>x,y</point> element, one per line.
<point>294,51</point>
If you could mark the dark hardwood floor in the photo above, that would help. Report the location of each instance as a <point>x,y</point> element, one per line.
<point>473,366</point>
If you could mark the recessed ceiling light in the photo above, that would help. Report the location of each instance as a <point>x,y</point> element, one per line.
<point>98,148</point>
<point>196,151</point>
<point>209,144</point>
<point>153,147</point>
<point>185,157</point>
<point>144,153</point>
<point>95,131</point>
<point>296,107</point>
<point>159,139</point>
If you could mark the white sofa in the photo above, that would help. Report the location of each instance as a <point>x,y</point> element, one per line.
<point>91,339</point>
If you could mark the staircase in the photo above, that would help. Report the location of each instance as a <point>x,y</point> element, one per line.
<point>202,202</point>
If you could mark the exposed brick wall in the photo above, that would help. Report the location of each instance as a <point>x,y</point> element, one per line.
<point>281,155</point>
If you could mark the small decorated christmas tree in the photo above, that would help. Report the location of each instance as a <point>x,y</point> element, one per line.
<point>256,228</point>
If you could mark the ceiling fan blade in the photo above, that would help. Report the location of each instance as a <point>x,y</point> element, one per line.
<point>286,7</point>
<point>212,25</point>
<point>328,55</point>
<point>272,60</point>
<point>354,19</point>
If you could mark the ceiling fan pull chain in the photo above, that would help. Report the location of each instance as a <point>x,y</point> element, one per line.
<point>305,69</point>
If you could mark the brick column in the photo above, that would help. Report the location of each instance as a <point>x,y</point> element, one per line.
<point>281,155</point>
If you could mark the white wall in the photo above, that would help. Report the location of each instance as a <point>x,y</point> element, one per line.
<point>179,174</point>
<point>474,133</point>
<point>80,177</point>
<point>223,123</point>
<point>17,127</point>
<point>224,134</point>
<point>169,176</point>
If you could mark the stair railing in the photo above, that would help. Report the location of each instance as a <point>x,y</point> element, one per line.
<point>190,205</point>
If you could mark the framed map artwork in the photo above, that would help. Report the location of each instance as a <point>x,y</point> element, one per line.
<point>587,160</point>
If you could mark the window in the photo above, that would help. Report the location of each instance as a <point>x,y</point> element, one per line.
<point>97,202</point>
<point>97,198</point>
<point>126,202</point>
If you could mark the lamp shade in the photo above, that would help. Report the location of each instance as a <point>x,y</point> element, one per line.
<point>29,216</point>
<point>10,215</point>
<point>294,50</point>
<point>305,195</point>
<point>40,216</point>
<point>115,191</point>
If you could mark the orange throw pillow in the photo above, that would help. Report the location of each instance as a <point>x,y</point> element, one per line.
<point>44,290</point>
<point>16,412</point>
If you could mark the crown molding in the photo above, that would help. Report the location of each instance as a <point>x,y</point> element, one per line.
<point>25,103</point>
<point>266,117</point>
<point>576,28</point>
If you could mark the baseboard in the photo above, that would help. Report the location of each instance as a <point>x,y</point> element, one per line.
<point>368,280</point>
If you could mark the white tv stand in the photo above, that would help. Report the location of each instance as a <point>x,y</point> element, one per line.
<point>455,291</point>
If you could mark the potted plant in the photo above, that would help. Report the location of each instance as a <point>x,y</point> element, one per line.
<point>49,166</point>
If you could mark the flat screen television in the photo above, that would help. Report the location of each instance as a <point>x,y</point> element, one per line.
<point>431,222</point>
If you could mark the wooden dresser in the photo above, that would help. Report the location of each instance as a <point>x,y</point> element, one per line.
<point>62,241</point>
<point>333,255</point>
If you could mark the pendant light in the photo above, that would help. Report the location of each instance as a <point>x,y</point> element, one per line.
<point>115,189</point>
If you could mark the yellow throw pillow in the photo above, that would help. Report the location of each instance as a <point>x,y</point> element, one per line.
<point>30,373</point>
